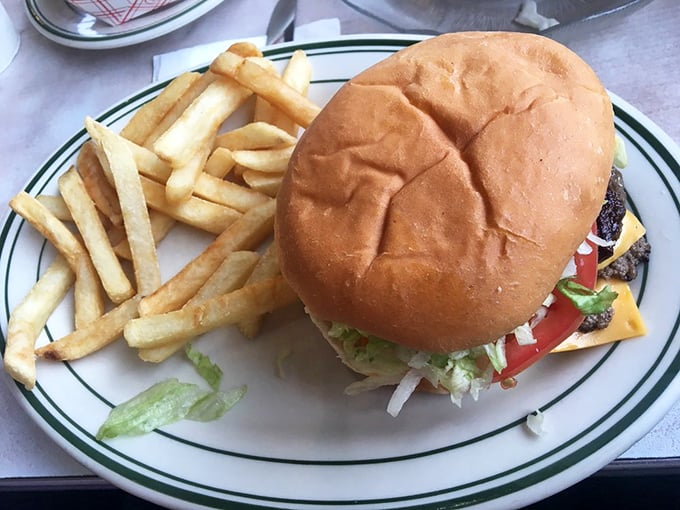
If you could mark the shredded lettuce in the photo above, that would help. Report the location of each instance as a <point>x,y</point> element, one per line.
<point>172,400</point>
<point>204,366</point>
<point>460,372</point>
<point>215,404</point>
<point>163,403</point>
<point>620,154</point>
<point>588,301</point>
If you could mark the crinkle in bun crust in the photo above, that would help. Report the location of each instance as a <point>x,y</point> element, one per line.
<point>437,198</point>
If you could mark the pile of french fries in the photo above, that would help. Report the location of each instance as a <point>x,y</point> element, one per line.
<point>173,162</point>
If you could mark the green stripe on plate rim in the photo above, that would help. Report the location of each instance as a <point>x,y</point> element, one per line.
<point>485,495</point>
<point>50,27</point>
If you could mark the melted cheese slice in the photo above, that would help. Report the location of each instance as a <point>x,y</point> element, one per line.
<point>631,231</point>
<point>626,323</point>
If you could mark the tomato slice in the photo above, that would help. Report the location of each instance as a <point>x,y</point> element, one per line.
<point>562,319</point>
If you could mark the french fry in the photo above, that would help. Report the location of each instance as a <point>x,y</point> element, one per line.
<point>245,49</point>
<point>255,135</point>
<point>179,107</point>
<point>150,115</point>
<point>161,224</point>
<point>229,276</point>
<point>194,211</point>
<point>266,160</point>
<point>264,111</point>
<point>94,336</point>
<point>246,233</point>
<point>267,267</point>
<point>256,299</point>
<point>30,316</point>
<point>228,193</point>
<point>101,191</point>
<point>89,304</point>
<point>182,180</point>
<point>113,278</point>
<point>207,186</point>
<point>128,189</point>
<point>118,159</point>
<point>56,206</point>
<point>219,163</point>
<point>250,75</point>
<point>199,123</point>
<point>266,183</point>
<point>297,74</point>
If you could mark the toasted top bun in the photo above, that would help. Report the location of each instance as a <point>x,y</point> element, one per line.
<point>437,198</point>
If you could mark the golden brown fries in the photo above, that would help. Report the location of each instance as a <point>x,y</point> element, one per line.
<point>199,123</point>
<point>30,316</point>
<point>113,278</point>
<point>246,233</point>
<point>229,276</point>
<point>56,205</point>
<point>297,74</point>
<point>119,162</point>
<point>179,106</point>
<point>266,183</point>
<point>145,120</point>
<point>266,268</point>
<point>92,337</point>
<point>272,88</point>
<point>182,179</point>
<point>182,157</point>
<point>256,299</point>
<point>266,160</point>
<point>219,163</point>
<point>89,304</point>
<point>160,227</point>
<point>228,193</point>
<point>255,135</point>
<point>199,213</point>
<point>207,186</point>
<point>101,191</point>
<point>264,111</point>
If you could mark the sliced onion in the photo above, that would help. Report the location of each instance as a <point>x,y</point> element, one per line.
<point>535,423</point>
<point>371,383</point>
<point>419,359</point>
<point>524,335</point>
<point>549,300</point>
<point>570,269</point>
<point>403,392</point>
<point>538,316</point>
<point>584,248</point>
<point>599,241</point>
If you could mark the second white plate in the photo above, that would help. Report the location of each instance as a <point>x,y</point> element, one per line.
<point>59,22</point>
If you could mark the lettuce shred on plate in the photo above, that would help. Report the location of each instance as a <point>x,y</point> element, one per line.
<point>171,400</point>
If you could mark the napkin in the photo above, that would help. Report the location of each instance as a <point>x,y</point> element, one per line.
<point>169,65</point>
<point>115,12</point>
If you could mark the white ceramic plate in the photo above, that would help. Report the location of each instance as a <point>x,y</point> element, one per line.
<point>297,441</point>
<point>61,23</point>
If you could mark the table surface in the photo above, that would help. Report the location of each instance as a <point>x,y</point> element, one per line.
<point>49,89</point>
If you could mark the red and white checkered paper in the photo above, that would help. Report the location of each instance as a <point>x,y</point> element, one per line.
<point>116,12</point>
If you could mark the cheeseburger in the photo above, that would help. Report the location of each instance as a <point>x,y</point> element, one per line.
<point>438,218</point>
